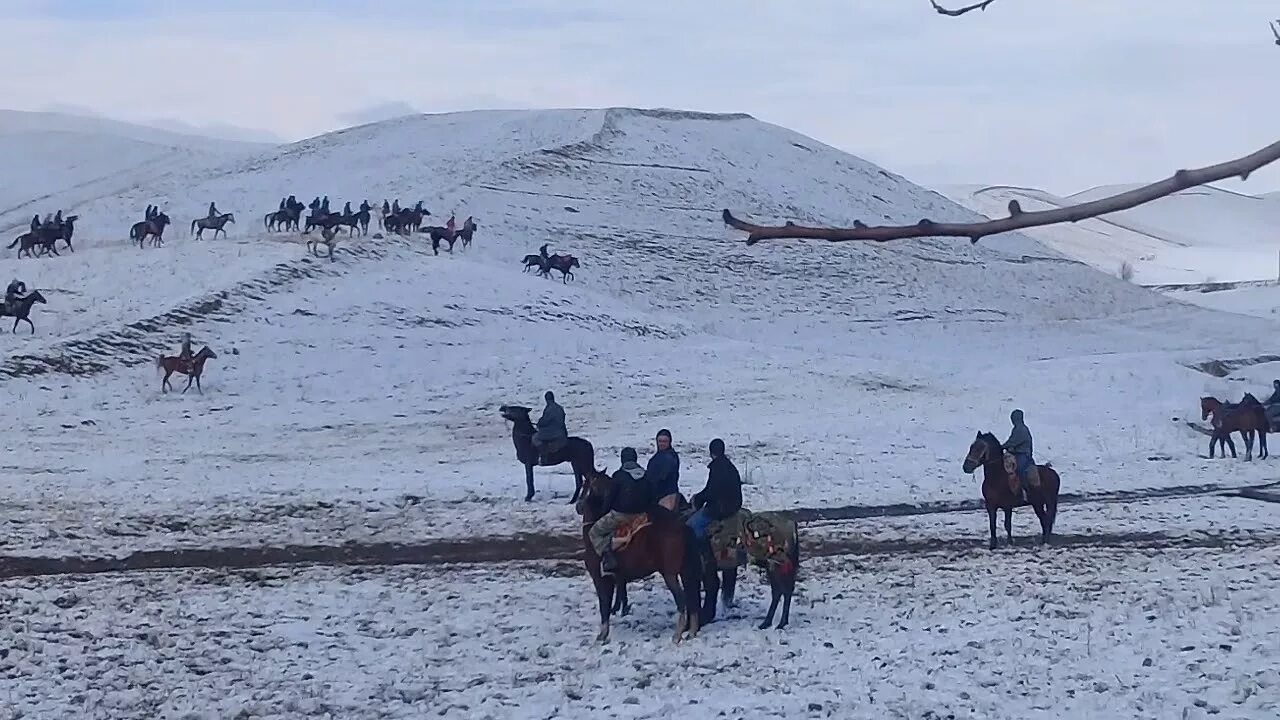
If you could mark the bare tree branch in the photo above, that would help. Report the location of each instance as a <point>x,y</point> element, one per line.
<point>1018,219</point>
<point>960,11</point>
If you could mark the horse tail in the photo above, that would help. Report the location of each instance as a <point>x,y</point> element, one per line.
<point>160,362</point>
<point>15,242</point>
<point>193,226</point>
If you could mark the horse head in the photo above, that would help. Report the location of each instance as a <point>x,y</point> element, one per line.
<point>516,413</point>
<point>206,352</point>
<point>985,448</point>
<point>229,217</point>
<point>1208,405</point>
<point>573,262</point>
<point>595,486</point>
<point>35,296</point>
<point>68,220</point>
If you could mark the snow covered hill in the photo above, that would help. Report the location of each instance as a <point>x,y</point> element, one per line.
<point>345,393</point>
<point>354,405</point>
<point>53,158</point>
<point>1201,235</point>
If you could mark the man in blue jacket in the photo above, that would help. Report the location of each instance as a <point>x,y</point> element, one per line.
<point>663,471</point>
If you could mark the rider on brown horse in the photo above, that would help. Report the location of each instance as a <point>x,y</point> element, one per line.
<point>629,497</point>
<point>1019,445</point>
<point>185,354</point>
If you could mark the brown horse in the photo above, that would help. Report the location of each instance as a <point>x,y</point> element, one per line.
<point>172,364</point>
<point>997,488</point>
<point>666,546</point>
<point>216,223</point>
<point>153,228</point>
<point>1246,418</point>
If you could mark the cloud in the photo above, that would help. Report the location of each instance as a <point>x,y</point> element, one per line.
<point>1058,95</point>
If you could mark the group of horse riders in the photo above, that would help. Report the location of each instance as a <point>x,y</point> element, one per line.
<point>50,222</point>
<point>635,489</point>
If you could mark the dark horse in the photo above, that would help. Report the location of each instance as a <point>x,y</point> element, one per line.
<point>576,451</point>
<point>532,261</point>
<point>22,310</point>
<point>666,546</point>
<point>563,263</point>
<point>153,228</point>
<point>1246,418</point>
<point>997,491</point>
<point>172,364</point>
<point>216,223</point>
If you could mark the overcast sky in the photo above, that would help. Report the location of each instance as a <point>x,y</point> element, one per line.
<point>1059,94</point>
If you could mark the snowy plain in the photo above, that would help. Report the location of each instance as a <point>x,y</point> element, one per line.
<point>1136,634</point>
<point>356,402</point>
<point>1200,235</point>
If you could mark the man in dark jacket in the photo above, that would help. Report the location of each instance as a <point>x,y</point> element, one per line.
<point>629,496</point>
<point>722,497</point>
<point>35,223</point>
<point>1019,445</point>
<point>552,432</point>
<point>663,471</point>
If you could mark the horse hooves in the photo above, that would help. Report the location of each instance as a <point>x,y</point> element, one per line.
<point>764,625</point>
<point>781,626</point>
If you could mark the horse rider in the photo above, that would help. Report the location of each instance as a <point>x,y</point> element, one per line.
<point>57,219</point>
<point>722,497</point>
<point>185,354</point>
<point>213,211</point>
<point>48,220</point>
<point>346,209</point>
<point>551,434</point>
<point>324,205</point>
<point>16,291</point>
<point>451,227</point>
<point>629,497</point>
<point>35,223</point>
<point>1019,445</point>
<point>663,471</point>
<point>282,204</point>
<point>365,206</point>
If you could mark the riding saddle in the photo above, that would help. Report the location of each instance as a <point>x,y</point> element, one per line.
<point>1011,469</point>
<point>627,530</point>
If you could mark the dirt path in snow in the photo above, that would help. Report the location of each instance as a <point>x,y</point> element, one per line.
<point>560,546</point>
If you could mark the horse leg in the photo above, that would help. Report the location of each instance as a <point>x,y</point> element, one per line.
<point>788,585</point>
<point>1231,445</point>
<point>1248,444</point>
<point>190,378</point>
<point>198,388</point>
<point>27,320</point>
<point>682,610</point>
<point>577,486</point>
<point>1044,519</point>
<point>165,382</point>
<point>15,325</point>
<point>604,593</point>
<point>775,593</point>
<point>711,590</point>
<point>991,518</point>
<point>621,606</point>
<point>1262,444</point>
<point>1008,523</point>
<point>528,482</point>
<point>727,588</point>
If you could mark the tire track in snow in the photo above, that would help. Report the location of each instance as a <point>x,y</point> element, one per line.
<point>540,547</point>
<point>553,546</point>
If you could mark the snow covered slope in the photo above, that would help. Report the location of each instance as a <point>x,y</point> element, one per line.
<point>54,160</point>
<point>1204,234</point>
<point>358,399</point>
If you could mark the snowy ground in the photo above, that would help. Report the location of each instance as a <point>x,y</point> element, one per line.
<point>1159,634</point>
<point>356,402</point>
